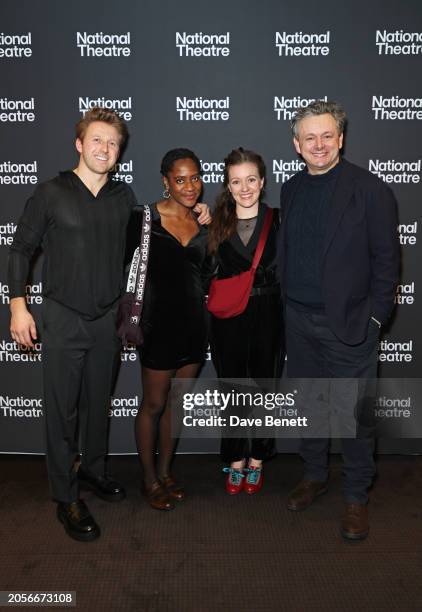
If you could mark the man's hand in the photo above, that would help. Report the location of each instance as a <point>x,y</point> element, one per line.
<point>204,213</point>
<point>22,325</point>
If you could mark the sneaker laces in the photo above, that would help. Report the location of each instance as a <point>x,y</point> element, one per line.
<point>235,475</point>
<point>254,474</point>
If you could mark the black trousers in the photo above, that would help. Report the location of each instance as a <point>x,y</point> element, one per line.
<point>313,351</point>
<point>79,364</point>
<point>250,345</point>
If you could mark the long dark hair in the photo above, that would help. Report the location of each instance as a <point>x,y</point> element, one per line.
<point>224,217</point>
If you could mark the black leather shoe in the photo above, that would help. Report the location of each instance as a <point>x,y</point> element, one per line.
<point>79,524</point>
<point>103,487</point>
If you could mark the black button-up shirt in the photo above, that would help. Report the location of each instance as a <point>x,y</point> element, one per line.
<point>83,238</point>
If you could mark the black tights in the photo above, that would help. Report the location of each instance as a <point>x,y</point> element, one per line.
<point>154,417</point>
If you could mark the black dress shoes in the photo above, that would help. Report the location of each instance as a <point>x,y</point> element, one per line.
<point>103,487</point>
<point>79,524</point>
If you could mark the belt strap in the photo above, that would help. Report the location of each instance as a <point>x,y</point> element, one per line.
<point>271,290</point>
<point>138,268</point>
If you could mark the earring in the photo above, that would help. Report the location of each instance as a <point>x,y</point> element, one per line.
<point>166,194</point>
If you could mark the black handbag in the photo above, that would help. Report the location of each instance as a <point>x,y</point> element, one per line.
<point>130,307</point>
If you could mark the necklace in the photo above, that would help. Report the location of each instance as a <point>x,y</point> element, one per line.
<point>246,223</point>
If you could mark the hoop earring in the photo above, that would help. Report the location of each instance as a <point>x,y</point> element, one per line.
<point>166,194</point>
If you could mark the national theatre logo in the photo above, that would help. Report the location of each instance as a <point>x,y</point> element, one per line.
<point>212,172</point>
<point>17,111</point>
<point>203,45</point>
<point>17,173</point>
<point>286,108</point>
<point>398,42</point>
<point>294,44</point>
<point>122,106</point>
<point>285,169</point>
<point>399,172</point>
<point>123,171</point>
<point>393,407</point>
<point>15,45</point>
<point>99,44</point>
<point>394,108</point>
<point>124,406</point>
<point>128,353</point>
<point>7,231</point>
<point>405,294</point>
<point>408,233</point>
<point>12,352</point>
<point>203,109</point>
<point>33,294</point>
<point>20,407</point>
<point>395,352</point>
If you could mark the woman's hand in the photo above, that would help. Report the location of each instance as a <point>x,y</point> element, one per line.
<point>204,213</point>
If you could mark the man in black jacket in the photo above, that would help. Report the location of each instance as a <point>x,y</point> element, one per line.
<point>339,265</point>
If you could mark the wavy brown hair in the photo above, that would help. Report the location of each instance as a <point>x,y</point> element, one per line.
<point>224,219</point>
<point>106,116</point>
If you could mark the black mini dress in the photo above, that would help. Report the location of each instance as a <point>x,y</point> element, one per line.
<point>174,316</point>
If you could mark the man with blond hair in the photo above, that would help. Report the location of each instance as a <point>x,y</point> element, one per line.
<point>80,218</point>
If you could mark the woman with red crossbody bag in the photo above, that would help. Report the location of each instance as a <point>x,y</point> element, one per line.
<point>247,338</point>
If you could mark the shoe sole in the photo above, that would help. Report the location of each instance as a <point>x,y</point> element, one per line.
<point>354,537</point>
<point>116,497</point>
<point>80,537</point>
<point>172,507</point>
<point>300,508</point>
<point>177,499</point>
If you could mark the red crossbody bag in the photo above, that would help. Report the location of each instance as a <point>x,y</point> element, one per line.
<point>228,297</point>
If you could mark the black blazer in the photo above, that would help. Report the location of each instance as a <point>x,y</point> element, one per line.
<point>361,256</point>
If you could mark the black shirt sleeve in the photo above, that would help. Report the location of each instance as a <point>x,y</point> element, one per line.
<point>29,235</point>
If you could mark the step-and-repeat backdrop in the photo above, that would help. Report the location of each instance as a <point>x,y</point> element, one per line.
<point>209,76</point>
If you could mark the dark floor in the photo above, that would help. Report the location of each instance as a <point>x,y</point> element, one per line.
<point>216,552</point>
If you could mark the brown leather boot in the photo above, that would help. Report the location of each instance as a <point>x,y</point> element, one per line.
<point>305,494</point>
<point>355,523</point>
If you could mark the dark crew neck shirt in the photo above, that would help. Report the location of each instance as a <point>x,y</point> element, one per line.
<point>306,225</point>
<point>83,239</point>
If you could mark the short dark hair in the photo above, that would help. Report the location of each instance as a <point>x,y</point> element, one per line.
<point>173,155</point>
<point>320,107</point>
<point>106,116</point>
